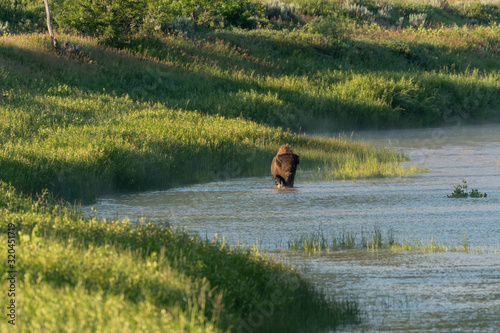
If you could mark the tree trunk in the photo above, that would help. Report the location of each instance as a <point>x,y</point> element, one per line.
<point>49,24</point>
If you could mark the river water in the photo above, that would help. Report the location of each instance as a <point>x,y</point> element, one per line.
<point>396,291</point>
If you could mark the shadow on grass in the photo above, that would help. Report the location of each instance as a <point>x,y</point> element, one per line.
<point>121,171</point>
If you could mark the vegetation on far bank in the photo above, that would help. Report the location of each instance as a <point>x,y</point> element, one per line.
<point>68,126</point>
<point>317,66</point>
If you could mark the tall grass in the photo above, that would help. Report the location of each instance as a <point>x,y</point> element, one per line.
<point>318,242</point>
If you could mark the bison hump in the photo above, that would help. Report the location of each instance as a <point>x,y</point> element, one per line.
<point>284,149</point>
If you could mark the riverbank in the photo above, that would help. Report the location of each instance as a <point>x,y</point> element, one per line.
<point>72,273</point>
<point>78,142</point>
<point>327,66</point>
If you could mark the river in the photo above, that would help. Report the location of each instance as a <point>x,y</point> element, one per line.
<point>397,291</point>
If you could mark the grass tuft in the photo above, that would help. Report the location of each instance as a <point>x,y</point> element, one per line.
<point>318,242</point>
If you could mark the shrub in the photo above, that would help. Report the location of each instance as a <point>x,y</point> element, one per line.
<point>108,18</point>
<point>358,11</point>
<point>115,20</point>
<point>418,20</point>
<point>21,16</point>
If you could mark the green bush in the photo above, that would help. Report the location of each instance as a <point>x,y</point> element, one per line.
<point>108,18</point>
<point>116,20</point>
<point>481,12</point>
<point>21,16</point>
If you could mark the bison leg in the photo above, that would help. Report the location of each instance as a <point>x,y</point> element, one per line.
<point>278,181</point>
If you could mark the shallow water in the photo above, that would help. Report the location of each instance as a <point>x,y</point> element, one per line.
<point>397,291</point>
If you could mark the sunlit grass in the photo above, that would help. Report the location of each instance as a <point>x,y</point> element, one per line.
<point>371,167</point>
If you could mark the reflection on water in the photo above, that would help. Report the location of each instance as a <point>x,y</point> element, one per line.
<point>399,291</point>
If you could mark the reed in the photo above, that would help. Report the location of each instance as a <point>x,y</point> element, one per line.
<point>422,246</point>
<point>318,242</point>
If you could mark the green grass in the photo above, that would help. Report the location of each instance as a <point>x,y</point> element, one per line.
<point>317,242</point>
<point>91,275</point>
<point>68,126</point>
<point>336,72</point>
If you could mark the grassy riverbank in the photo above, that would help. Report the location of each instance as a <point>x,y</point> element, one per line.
<point>328,65</point>
<point>89,275</point>
<point>65,129</point>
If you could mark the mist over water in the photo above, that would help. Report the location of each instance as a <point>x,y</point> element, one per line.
<point>397,291</point>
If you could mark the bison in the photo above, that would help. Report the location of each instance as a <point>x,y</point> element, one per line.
<point>284,166</point>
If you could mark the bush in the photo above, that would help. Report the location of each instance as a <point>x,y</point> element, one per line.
<point>115,20</point>
<point>108,18</point>
<point>275,9</point>
<point>21,16</point>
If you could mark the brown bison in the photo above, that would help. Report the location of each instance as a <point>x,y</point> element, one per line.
<point>284,166</point>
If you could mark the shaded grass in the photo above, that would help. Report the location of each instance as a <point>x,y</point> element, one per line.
<point>304,80</point>
<point>98,275</point>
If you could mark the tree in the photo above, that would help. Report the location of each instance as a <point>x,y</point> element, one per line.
<point>49,25</point>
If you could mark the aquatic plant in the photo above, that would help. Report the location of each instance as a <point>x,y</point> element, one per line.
<point>423,246</point>
<point>465,244</point>
<point>474,193</point>
<point>461,192</point>
<point>318,242</point>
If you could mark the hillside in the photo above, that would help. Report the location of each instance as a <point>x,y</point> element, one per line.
<point>75,125</point>
<point>316,66</point>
